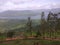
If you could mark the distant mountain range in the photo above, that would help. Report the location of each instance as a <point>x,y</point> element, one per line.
<point>22,14</point>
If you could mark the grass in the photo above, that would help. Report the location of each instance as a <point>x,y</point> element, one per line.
<point>31,42</point>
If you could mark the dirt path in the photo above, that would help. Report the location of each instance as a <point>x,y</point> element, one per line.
<point>53,39</point>
<point>18,38</point>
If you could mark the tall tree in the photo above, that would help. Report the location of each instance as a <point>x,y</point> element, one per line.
<point>29,25</point>
<point>52,21</point>
<point>42,23</point>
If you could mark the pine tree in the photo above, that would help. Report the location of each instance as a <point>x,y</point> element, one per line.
<point>42,23</point>
<point>52,22</point>
<point>29,25</point>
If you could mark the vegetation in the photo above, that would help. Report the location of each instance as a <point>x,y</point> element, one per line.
<point>10,34</point>
<point>31,42</point>
<point>31,29</point>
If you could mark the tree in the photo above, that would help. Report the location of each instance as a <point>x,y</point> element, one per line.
<point>29,25</point>
<point>58,24</point>
<point>52,22</point>
<point>43,22</point>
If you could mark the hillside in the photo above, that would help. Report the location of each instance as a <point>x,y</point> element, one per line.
<point>11,24</point>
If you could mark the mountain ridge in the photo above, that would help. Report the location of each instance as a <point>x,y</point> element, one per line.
<point>26,13</point>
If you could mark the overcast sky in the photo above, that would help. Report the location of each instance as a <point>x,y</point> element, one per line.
<point>28,4</point>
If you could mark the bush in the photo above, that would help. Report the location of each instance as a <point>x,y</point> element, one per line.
<point>10,34</point>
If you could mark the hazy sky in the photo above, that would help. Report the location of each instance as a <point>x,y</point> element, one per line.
<point>28,4</point>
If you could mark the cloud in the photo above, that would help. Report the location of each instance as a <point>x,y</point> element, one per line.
<point>27,4</point>
<point>50,6</point>
<point>21,1</point>
<point>11,5</point>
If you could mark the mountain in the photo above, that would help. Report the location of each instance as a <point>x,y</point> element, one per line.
<point>26,13</point>
<point>13,13</point>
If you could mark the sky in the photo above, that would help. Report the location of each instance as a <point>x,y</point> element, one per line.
<point>28,4</point>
